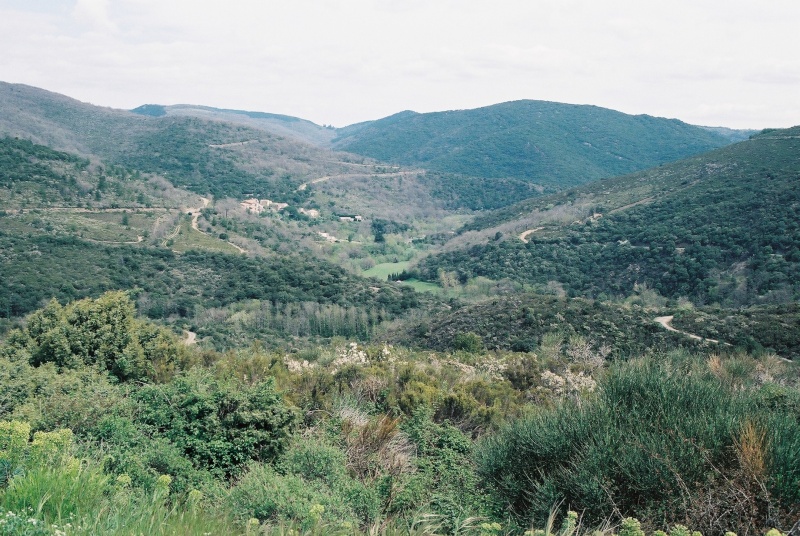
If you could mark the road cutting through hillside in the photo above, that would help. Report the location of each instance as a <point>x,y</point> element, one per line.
<point>195,212</point>
<point>191,338</point>
<point>524,234</point>
<point>625,207</point>
<point>666,320</point>
<point>139,238</point>
<point>233,144</point>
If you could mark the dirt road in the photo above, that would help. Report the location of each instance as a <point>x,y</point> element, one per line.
<point>666,320</point>
<point>234,144</point>
<point>195,212</point>
<point>524,234</point>
<point>191,338</point>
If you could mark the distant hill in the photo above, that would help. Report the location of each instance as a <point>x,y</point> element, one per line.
<point>206,155</point>
<point>277,124</point>
<point>550,144</point>
<point>720,227</point>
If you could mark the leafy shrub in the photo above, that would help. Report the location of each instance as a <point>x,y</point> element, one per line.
<point>266,495</point>
<point>102,332</point>
<point>657,443</point>
<point>469,342</point>
<point>219,424</point>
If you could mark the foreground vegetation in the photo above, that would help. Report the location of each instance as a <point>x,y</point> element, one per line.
<point>136,432</point>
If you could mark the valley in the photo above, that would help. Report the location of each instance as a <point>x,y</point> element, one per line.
<point>467,322</point>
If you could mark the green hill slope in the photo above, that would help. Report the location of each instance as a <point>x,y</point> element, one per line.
<point>550,144</point>
<point>720,227</point>
<point>203,154</point>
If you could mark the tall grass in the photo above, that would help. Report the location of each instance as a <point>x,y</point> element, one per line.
<point>83,500</point>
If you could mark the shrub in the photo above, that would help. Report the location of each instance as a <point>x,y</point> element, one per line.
<point>657,442</point>
<point>468,342</point>
<point>219,424</point>
<point>265,494</point>
<point>102,332</point>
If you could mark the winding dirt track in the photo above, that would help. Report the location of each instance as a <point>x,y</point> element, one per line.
<point>666,320</point>
<point>524,234</point>
<point>191,338</point>
<point>139,238</point>
<point>195,212</point>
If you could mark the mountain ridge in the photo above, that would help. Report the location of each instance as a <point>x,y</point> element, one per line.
<point>552,144</point>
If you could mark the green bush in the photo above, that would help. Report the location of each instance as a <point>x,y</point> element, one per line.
<point>266,495</point>
<point>104,333</point>
<point>661,435</point>
<point>468,342</point>
<point>219,424</point>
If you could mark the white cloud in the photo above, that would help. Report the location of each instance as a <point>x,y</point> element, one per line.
<point>94,13</point>
<point>342,61</point>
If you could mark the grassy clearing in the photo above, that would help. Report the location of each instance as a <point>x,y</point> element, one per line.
<point>422,286</point>
<point>92,226</point>
<point>384,270</point>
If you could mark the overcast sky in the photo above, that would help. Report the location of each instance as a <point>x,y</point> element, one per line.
<point>732,63</point>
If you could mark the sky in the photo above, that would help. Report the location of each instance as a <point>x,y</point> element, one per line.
<point>733,63</point>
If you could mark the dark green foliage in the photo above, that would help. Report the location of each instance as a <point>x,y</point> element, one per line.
<point>755,329</point>
<point>67,268</point>
<point>179,149</point>
<point>312,472</point>
<point>735,212</point>
<point>550,144</point>
<point>131,448</point>
<point>469,342</point>
<point>661,438</point>
<point>35,173</point>
<point>381,226</point>
<point>519,322</point>
<point>102,333</point>
<point>23,160</point>
<point>445,475</point>
<point>479,193</point>
<point>218,424</point>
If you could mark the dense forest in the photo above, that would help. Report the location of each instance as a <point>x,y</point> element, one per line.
<point>726,233</point>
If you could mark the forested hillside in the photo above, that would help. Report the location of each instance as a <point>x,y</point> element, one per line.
<point>549,144</point>
<point>71,229</point>
<point>203,155</point>
<point>277,124</point>
<point>721,227</point>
